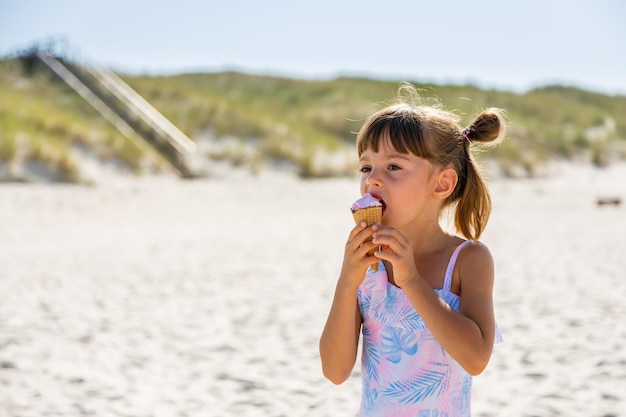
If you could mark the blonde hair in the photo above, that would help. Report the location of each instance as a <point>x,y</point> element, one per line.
<point>429,132</point>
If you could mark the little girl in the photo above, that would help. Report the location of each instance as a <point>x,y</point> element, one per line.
<point>427,313</point>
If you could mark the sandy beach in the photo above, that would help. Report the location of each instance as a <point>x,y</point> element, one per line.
<point>161,297</point>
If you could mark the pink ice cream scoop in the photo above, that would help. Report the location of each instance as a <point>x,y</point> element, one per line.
<point>366,200</point>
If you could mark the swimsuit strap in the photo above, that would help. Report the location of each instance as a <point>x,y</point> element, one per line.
<point>447,281</point>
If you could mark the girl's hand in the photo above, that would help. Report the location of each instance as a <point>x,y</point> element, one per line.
<point>355,258</point>
<point>397,250</point>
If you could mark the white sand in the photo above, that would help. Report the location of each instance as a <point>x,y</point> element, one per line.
<point>158,297</point>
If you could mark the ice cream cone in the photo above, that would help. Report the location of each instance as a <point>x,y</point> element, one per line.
<point>371,215</point>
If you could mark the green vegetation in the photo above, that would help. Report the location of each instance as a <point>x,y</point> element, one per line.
<point>298,122</point>
<point>42,121</point>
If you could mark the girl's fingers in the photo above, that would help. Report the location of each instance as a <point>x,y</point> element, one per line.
<point>356,258</point>
<point>360,242</point>
<point>395,247</point>
<point>356,229</point>
<point>394,241</point>
<point>386,255</point>
<point>359,234</point>
<point>386,232</point>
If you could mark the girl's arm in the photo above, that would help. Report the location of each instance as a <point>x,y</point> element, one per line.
<point>340,338</point>
<point>467,335</point>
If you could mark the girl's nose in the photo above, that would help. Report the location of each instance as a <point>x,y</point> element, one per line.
<point>373,179</point>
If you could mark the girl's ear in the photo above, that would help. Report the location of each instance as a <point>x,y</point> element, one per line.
<point>446,181</point>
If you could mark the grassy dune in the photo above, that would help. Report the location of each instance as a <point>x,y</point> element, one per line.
<point>298,122</point>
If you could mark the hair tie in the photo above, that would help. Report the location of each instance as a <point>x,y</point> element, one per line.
<point>466,133</point>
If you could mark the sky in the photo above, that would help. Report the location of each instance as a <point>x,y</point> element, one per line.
<point>512,46</point>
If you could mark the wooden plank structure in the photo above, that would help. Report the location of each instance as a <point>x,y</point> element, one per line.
<point>118,103</point>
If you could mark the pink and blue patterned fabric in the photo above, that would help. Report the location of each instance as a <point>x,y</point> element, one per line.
<point>405,371</point>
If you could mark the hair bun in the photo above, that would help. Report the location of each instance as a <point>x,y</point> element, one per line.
<point>488,127</point>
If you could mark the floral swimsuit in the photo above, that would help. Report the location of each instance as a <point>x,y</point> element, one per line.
<point>405,371</point>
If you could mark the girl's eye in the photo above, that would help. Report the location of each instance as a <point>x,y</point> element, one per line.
<point>365,169</point>
<point>393,167</point>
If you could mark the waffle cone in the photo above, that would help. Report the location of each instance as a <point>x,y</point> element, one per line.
<point>371,215</point>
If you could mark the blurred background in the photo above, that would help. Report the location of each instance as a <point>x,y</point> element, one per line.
<point>284,85</point>
<point>175,179</point>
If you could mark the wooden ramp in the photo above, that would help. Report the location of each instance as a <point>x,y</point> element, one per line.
<point>123,107</point>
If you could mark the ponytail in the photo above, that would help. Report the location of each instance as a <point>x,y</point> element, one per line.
<point>472,195</point>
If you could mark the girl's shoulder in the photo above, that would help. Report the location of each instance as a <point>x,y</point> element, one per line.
<point>468,249</point>
<point>475,259</point>
<point>475,247</point>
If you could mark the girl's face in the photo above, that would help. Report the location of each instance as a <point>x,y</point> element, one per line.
<point>401,181</point>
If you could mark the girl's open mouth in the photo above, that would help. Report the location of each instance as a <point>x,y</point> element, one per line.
<point>381,202</point>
